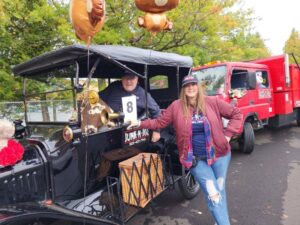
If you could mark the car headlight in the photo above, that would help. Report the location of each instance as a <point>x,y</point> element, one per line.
<point>68,134</point>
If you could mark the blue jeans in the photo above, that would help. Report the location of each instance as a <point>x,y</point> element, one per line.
<point>212,182</point>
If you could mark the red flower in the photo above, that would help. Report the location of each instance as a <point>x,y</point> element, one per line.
<point>11,154</point>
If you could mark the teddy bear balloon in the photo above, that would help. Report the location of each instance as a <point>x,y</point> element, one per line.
<point>155,19</point>
<point>87,17</point>
<point>10,150</point>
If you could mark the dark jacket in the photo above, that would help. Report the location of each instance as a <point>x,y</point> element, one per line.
<point>215,110</point>
<point>113,94</point>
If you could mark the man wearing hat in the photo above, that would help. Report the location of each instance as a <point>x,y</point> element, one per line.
<point>129,86</point>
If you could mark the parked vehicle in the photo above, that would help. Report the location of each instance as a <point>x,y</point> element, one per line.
<point>69,174</point>
<point>267,91</point>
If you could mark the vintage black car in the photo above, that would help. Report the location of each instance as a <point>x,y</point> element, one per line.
<point>69,174</point>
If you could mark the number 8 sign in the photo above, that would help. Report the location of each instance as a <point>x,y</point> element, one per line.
<point>129,108</point>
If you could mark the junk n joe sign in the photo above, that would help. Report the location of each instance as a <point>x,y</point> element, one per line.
<point>136,136</point>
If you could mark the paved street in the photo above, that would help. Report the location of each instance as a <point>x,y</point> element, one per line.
<point>263,188</point>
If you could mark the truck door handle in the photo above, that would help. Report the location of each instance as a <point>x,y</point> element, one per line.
<point>251,102</point>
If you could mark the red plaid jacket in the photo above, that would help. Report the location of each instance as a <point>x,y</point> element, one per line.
<point>215,110</point>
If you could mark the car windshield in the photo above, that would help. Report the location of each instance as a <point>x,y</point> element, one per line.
<point>49,96</point>
<point>214,78</point>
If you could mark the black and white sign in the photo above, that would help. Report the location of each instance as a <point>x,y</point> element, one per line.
<point>129,108</point>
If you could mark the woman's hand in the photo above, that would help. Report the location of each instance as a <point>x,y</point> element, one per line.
<point>227,138</point>
<point>155,136</point>
<point>134,124</point>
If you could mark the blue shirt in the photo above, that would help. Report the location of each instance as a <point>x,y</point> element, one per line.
<point>113,94</point>
<point>198,138</point>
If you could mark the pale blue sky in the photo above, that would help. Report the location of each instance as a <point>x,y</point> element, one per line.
<point>278,17</point>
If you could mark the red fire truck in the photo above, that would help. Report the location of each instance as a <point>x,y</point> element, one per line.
<point>267,91</point>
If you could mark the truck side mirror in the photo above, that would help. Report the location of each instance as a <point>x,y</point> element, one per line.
<point>251,80</point>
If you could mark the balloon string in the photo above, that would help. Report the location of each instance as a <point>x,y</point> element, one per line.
<point>88,58</point>
<point>86,140</point>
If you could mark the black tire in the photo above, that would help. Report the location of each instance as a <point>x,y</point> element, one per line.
<point>188,186</point>
<point>246,141</point>
<point>298,123</point>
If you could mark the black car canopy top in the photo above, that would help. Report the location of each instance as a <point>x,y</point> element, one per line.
<point>110,57</point>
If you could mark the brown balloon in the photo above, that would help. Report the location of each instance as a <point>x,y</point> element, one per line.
<point>87,17</point>
<point>155,22</point>
<point>156,6</point>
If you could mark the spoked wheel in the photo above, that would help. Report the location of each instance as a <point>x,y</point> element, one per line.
<point>188,186</point>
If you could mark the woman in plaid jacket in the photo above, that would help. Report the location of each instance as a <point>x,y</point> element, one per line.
<point>202,141</point>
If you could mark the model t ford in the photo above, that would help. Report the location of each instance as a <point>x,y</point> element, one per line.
<point>81,164</point>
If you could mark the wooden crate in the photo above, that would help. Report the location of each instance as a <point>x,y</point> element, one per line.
<point>109,161</point>
<point>141,178</point>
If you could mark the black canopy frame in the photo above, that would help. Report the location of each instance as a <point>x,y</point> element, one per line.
<point>106,61</point>
<point>114,60</point>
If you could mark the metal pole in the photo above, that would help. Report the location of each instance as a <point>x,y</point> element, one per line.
<point>177,80</point>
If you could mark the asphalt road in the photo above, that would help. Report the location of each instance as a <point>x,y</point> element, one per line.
<point>263,188</point>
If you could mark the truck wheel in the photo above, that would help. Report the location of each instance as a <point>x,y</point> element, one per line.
<point>246,142</point>
<point>188,186</point>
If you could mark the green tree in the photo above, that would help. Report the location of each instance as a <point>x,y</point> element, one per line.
<point>204,29</point>
<point>29,28</point>
<point>292,45</point>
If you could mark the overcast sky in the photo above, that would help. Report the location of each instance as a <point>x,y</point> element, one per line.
<point>278,18</point>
